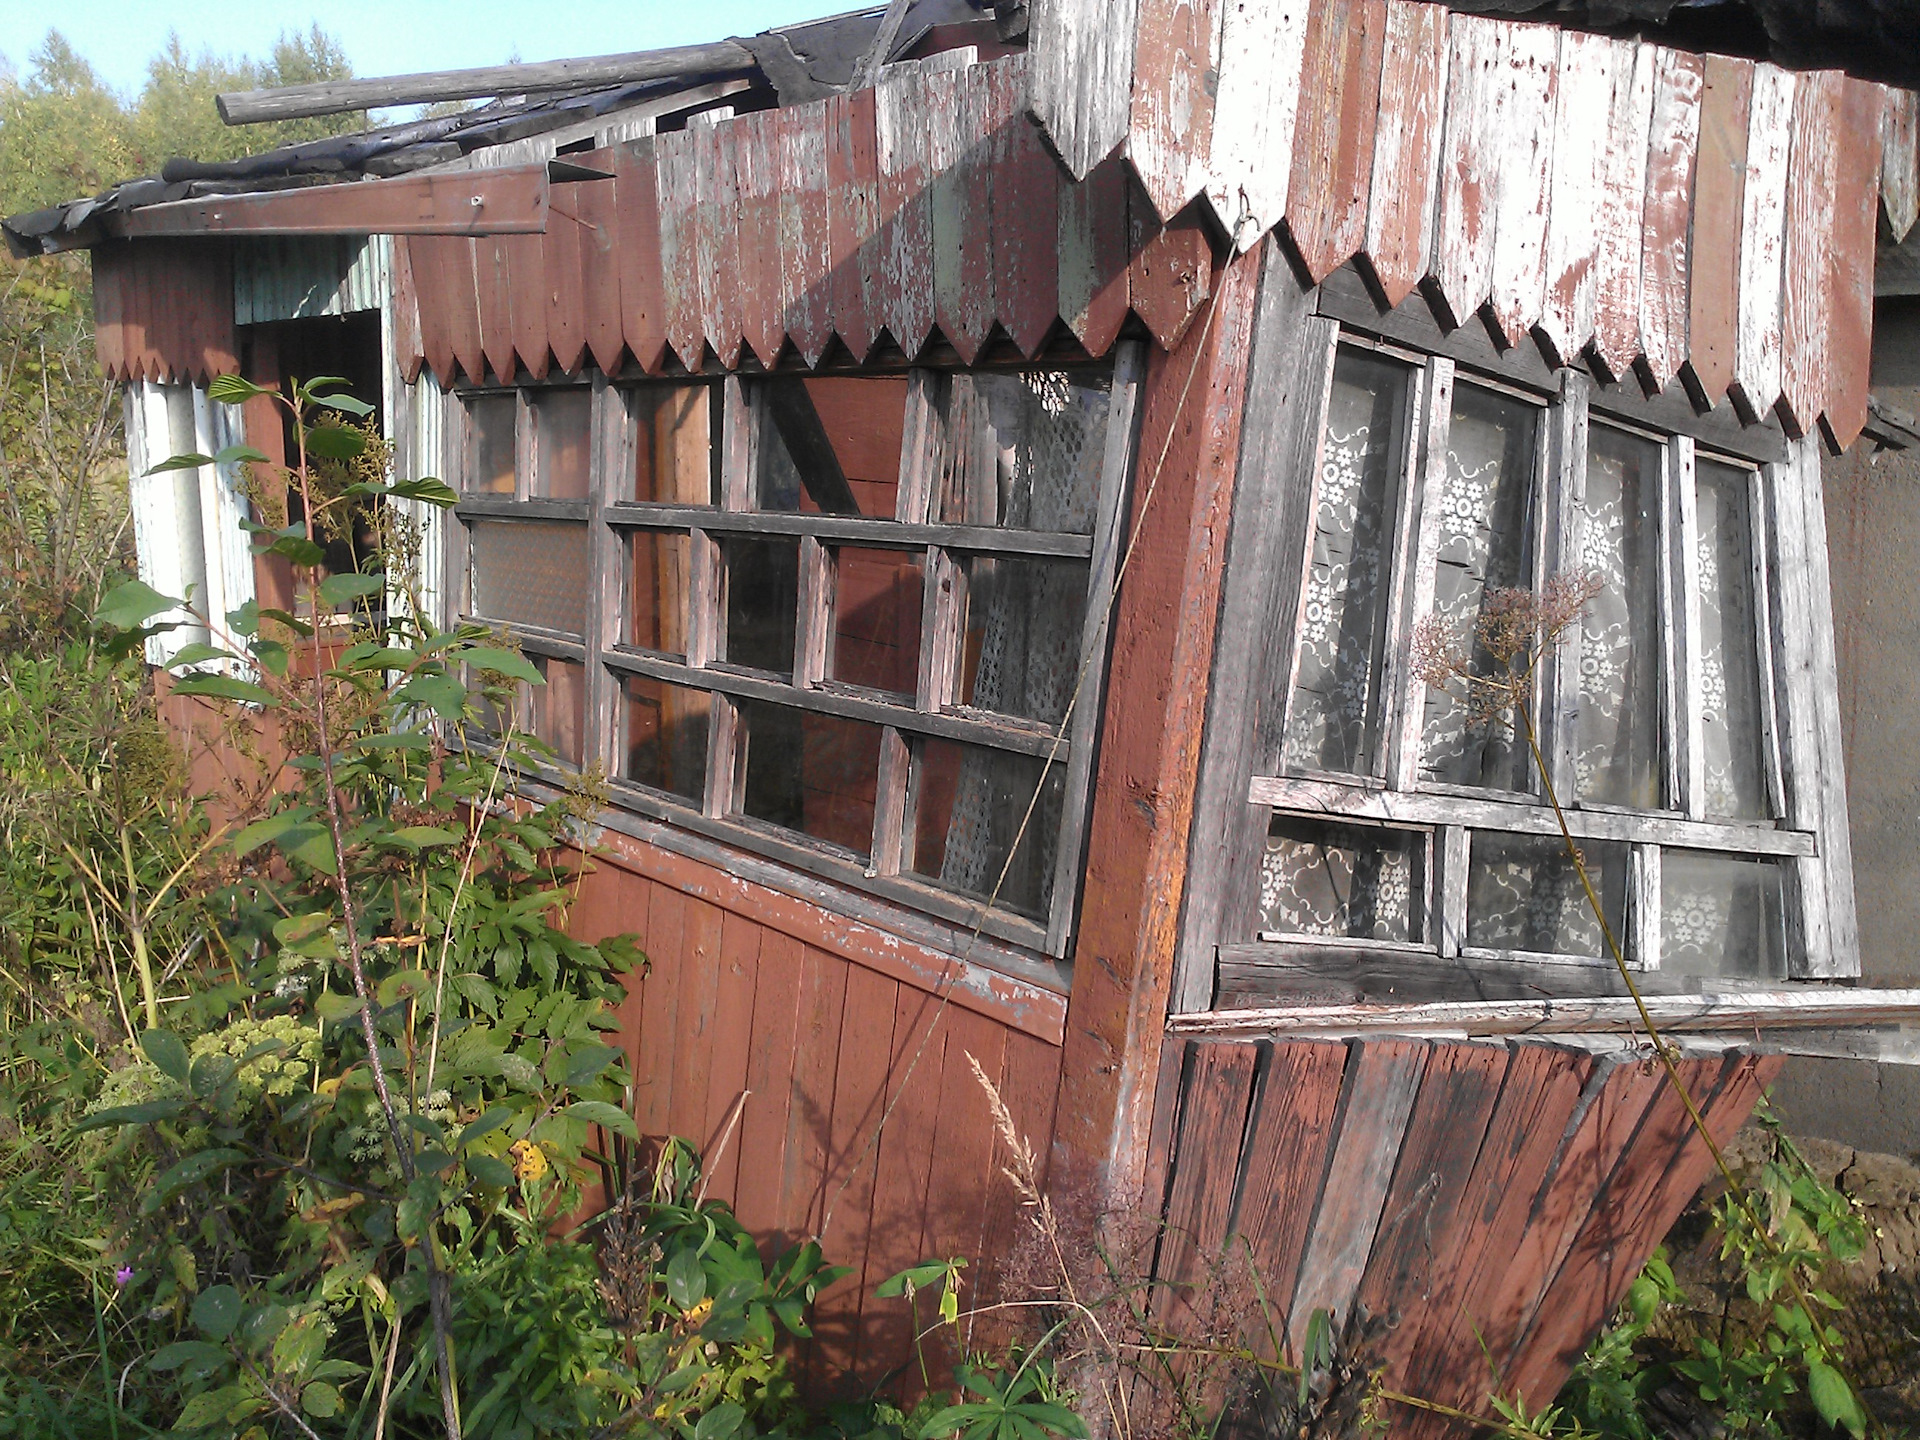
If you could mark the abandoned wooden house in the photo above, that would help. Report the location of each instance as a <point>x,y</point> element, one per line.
<point>973,482</point>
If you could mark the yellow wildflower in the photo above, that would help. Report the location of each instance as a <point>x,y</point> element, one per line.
<point>529,1160</point>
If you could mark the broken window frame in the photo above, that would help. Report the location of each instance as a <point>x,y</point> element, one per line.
<point>932,712</point>
<point>1392,792</point>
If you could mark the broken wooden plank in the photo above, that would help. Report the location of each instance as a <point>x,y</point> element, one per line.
<point>1807,251</point>
<point>1756,367</point>
<point>1333,140</point>
<point>1847,304</point>
<point>1383,1080</point>
<point>642,262</point>
<point>493,202</point>
<point>1672,149</point>
<point>1900,162</point>
<point>1406,149</point>
<point>1171,277</point>
<point>1714,259</point>
<point>1083,77</point>
<point>1530,87</point>
<point>1461,267</point>
<point>1256,103</point>
<point>1171,125</point>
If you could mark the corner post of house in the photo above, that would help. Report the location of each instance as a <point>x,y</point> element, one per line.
<point>1166,621</point>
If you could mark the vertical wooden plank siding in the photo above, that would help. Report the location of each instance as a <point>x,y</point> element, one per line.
<point>737,974</point>
<point>1083,70</point>
<point>566,290</point>
<point>817,1035</point>
<point>771,1061</point>
<point>756,158</point>
<point>975,183</point>
<point>1528,92</point>
<point>597,204</point>
<point>654,1070</point>
<point>526,300</point>
<point>1900,162</point>
<point>1461,266</point>
<point>1026,202</point>
<point>424,256</point>
<point>1847,302</point>
<point>1807,250</point>
<point>1177,43</point>
<point>722,303</point>
<point>1326,201</point>
<point>643,300</point>
<point>853,240</point>
<point>1406,148</point>
<point>1215,1093</point>
<point>1143,796</point>
<point>1756,364</point>
<point>804,256</point>
<point>1621,209</point>
<point>1715,260</point>
<point>964,1141</point>
<point>679,252</point>
<point>1672,148</point>
<point>694,1015</point>
<point>1261,49</point>
<point>948,199</point>
<point>110,280</point>
<point>901,139</point>
<point>1091,240</point>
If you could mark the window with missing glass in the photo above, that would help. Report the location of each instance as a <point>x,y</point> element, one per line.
<point>852,622</point>
<point>1490,595</point>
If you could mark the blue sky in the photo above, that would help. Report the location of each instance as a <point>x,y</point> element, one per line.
<point>389,37</point>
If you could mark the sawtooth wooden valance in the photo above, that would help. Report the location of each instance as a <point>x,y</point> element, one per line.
<point>1684,216</point>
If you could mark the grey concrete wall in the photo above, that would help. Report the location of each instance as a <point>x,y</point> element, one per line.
<point>1873,534</point>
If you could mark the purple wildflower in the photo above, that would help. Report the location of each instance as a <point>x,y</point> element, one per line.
<point>122,1275</point>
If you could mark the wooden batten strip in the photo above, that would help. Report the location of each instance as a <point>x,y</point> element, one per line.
<point>1807,250</point>
<point>1529,93</point>
<point>1620,216</point>
<point>1848,298</point>
<point>1714,254</point>
<point>1672,149</point>
<point>1406,148</point>
<point>597,204</point>
<point>901,125</point>
<point>643,301</point>
<point>1332,140</point>
<point>1756,365</point>
<point>805,261</point>
<point>1461,266</point>
<point>853,230</point>
<point>1256,108</point>
<point>1170,132</point>
<point>1587,69</point>
<point>1900,162</point>
<point>1026,206</point>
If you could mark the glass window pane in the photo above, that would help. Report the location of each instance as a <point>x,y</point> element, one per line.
<point>1353,882</point>
<point>666,736</point>
<point>560,707</point>
<point>876,620</point>
<point>563,431</point>
<point>1523,893</point>
<point>1731,736</point>
<point>830,445</point>
<point>1722,915</point>
<point>968,806</point>
<point>676,453</point>
<point>660,580</point>
<point>1331,722</point>
<point>1020,641</point>
<point>763,599</point>
<point>1028,448</point>
<point>531,572</point>
<point>812,773</point>
<point>1485,521</point>
<point>1617,722</point>
<point>491,420</point>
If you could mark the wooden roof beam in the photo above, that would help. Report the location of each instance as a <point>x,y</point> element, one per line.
<point>335,97</point>
<point>468,202</point>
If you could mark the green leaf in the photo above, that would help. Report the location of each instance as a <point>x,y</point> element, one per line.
<point>720,1422</point>
<point>168,1053</point>
<point>421,836</point>
<point>216,1310</point>
<point>233,390</point>
<point>144,1113</point>
<point>336,590</point>
<point>264,832</point>
<point>190,1171</point>
<point>427,490</point>
<point>131,604</point>
<point>196,653</point>
<point>320,1400</point>
<point>1834,1398</point>
<point>587,1063</point>
<point>179,462</point>
<point>225,687</point>
<point>686,1280</point>
<point>608,1117</point>
<point>335,442</point>
<point>442,694</point>
<point>496,661</point>
<point>298,550</point>
<point>490,1171</point>
<point>333,1007</point>
<point>234,454</point>
<point>495,1117</point>
<point>311,388</point>
<point>181,1353</point>
<point>310,844</point>
<point>211,1407</point>
<point>345,403</point>
<point>917,1278</point>
<point>245,622</point>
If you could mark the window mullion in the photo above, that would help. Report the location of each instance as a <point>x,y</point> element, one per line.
<point>1763,640</point>
<point>814,625</point>
<point>940,610</point>
<point>1426,479</point>
<point>1680,632</point>
<point>1562,510</point>
<point>609,443</point>
<point>526,456</point>
<point>923,444</point>
<point>1643,907</point>
<point>739,435</point>
<point>1451,845</point>
<point>1295,579</point>
<point>890,803</point>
